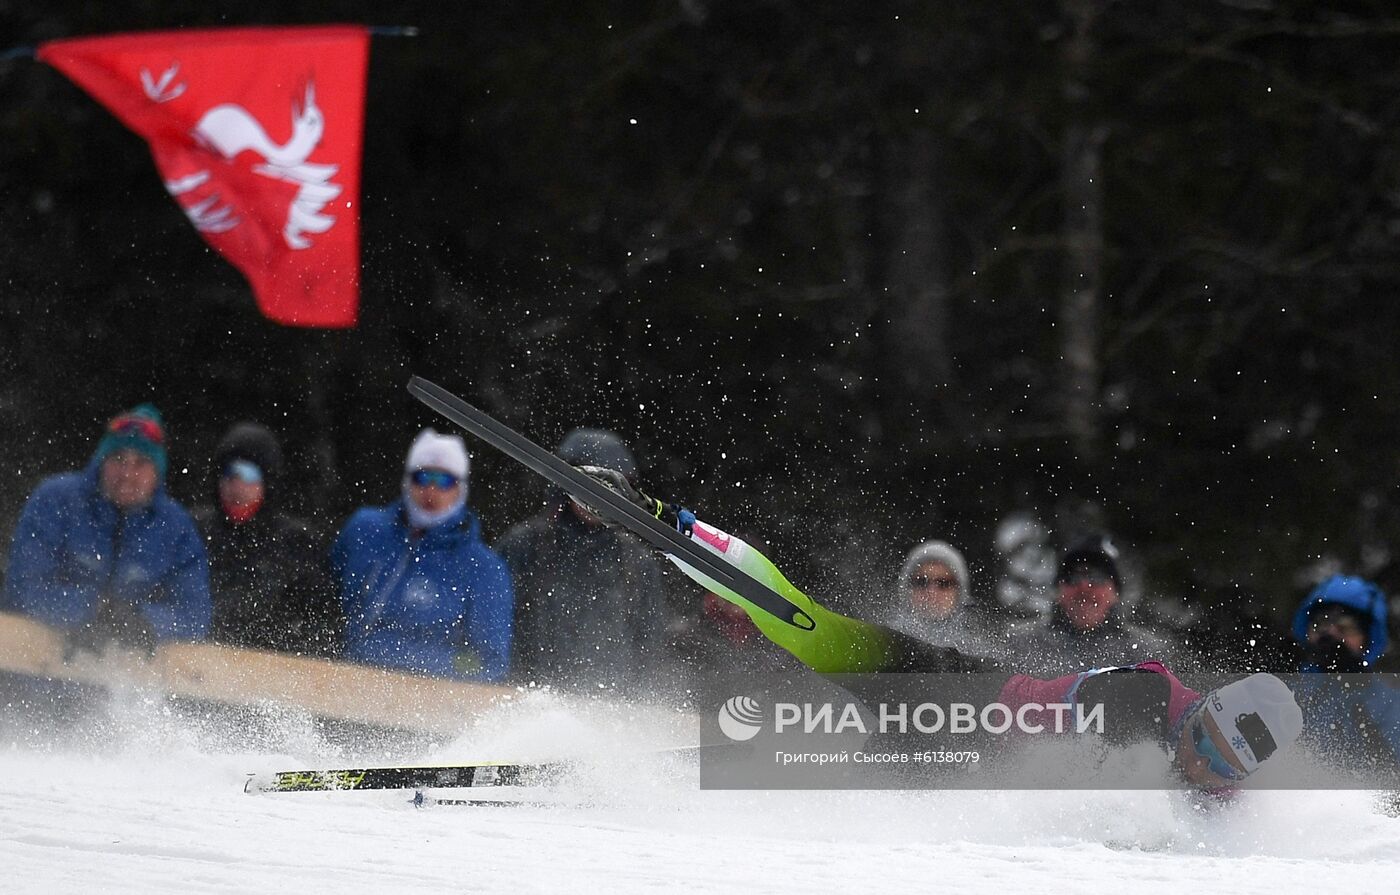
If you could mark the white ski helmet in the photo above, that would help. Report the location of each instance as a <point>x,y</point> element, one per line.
<point>1257,716</point>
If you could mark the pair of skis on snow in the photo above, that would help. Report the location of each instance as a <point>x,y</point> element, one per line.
<point>477,775</point>
<point>406,777</point>
<point>603,500</point>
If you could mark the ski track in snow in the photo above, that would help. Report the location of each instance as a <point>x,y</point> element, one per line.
<point>163,811</point>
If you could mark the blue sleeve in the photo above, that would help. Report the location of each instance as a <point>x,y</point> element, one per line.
<point>340,564</point>
<point>185,615</point>
<point>1382,702</point>
<point>492,616</point>
<point>30,585</point>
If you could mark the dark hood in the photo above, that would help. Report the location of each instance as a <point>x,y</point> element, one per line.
<point>1095,552</point>
<point>255,443</point>
<point>598,447</point>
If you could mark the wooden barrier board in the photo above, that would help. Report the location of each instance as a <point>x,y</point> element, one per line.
<point>225,674</point>
<point>325,689</point>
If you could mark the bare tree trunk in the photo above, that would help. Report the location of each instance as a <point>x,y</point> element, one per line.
<point>917,357</point>
<point>1081,184</point>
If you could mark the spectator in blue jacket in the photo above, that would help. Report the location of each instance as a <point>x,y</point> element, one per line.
<point>1341,626</point>
<point>1341,629</point>
<point>421,591</point>
<point>106,554</point>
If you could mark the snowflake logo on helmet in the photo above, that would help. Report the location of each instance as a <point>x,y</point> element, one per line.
<point>1239,742</point>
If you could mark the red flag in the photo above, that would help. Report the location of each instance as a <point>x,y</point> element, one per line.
<point>257,133</point>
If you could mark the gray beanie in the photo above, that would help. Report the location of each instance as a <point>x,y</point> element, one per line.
<point>936,551</point>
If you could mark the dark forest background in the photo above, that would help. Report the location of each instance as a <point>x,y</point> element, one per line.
<point>848,275</point>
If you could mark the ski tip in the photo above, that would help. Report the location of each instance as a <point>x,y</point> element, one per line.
<point>257,783</point>
<point>428,392</point>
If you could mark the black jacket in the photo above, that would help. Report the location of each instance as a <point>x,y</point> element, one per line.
<point>589,605</point>
<point>268,576</point>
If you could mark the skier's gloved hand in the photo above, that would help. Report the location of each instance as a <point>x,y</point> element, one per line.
<point>671,514</point>
<point>619,483</point>
<point>1134,701</point>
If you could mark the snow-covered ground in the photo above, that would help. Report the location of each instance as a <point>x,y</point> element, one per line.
<point>159,807</point>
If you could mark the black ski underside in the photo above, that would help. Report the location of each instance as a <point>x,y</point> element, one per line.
<point>607,502</point>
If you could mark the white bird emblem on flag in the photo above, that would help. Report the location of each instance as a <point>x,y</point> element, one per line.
<point>230,129</point>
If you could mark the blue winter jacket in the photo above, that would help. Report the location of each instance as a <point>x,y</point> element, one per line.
<point>73,545</point>
<point>438,601</point>
<point>1362,717</point>
<point>1351,717</point>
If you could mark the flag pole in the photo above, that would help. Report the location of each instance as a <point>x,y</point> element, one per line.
<point>380,31</point>
<point>376,30</point>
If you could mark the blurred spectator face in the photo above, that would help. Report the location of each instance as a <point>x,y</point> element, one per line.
<point>1087,595</point>
<point>1330,623</point>
<point>241,489</point>
<point>129,479</point>
<point>433,490</point>
<point>934,590</point>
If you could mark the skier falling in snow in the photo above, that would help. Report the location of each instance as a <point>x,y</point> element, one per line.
<point>1217,739</point>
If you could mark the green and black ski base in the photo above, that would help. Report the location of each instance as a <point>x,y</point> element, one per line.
<point>406,777</point>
